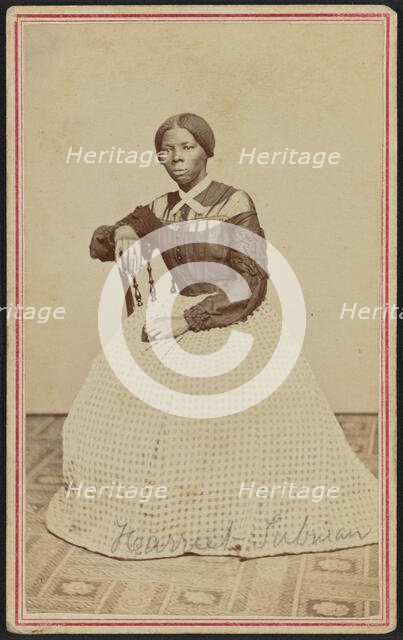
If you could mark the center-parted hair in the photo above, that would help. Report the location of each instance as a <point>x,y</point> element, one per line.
<point>196,125</point>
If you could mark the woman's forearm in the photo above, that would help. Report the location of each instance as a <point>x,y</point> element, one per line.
<point>137,224</point>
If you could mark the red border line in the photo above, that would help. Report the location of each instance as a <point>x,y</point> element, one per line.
<point>17,324</point>
<point>248,622</point>
<point>387,132</point>
<point>127,20</point>
<point>22,346</point>
<point>230,623</point>
<point>202,15</point>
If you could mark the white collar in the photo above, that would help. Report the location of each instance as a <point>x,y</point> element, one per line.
<point>187,197</point>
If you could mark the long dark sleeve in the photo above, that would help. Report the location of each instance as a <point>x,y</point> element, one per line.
<point>216,310</point>
<point>142,220</point>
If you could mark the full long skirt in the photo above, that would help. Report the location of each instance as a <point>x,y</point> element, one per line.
<point>289,443</point>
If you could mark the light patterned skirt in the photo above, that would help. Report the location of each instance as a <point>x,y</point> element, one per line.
<point>255,483</point>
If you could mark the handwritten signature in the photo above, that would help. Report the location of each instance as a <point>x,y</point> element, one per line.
<point>143,545</point>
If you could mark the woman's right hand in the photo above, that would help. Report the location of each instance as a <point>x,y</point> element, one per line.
<point>125,237</point>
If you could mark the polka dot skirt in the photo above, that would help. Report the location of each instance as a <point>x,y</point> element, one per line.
<point>247,484</point>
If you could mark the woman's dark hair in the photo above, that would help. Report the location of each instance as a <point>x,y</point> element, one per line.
<point>198,127</point>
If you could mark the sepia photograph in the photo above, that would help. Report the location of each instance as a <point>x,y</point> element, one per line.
<point>201,408</point>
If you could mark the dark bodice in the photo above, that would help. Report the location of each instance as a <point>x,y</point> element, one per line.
<point>218,203</point>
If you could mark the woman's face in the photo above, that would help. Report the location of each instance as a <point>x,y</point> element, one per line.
<point>185,159</point>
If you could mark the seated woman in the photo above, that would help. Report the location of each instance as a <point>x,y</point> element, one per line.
<point>211,468</point>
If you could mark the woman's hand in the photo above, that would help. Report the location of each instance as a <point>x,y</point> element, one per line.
<point>125,237</point>
<point>158,329</point>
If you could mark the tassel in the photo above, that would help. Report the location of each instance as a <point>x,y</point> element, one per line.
<point>137,293</point>
<point>153,294</point>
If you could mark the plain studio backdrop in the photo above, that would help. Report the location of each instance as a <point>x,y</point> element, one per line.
<point>311,87</point>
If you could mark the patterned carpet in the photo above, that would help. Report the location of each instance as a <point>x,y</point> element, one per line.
<point>64,578</point>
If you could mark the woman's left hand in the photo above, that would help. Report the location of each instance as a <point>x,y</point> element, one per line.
<point>158,329</point>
